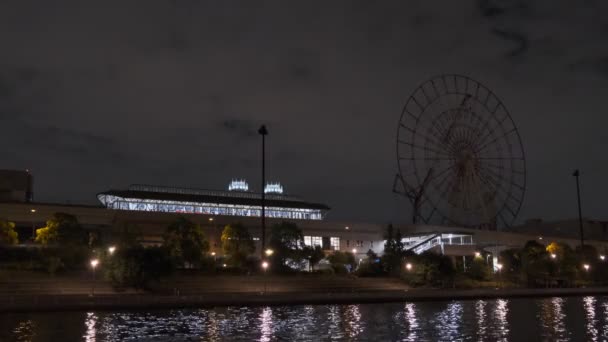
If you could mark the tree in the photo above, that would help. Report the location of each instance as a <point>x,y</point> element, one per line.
<point>393,251</point>
<point>137,266</point>
<point>287,242</point>
<point>61,229</point>
<point>8,235</point>
<point>314,255</point>
<point>535,262</point>
<point>186,242</point>
<point>342,261</point>
<point>429,268</point>
<point>237,243</point>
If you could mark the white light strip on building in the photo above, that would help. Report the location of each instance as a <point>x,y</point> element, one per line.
<point>140,204</point>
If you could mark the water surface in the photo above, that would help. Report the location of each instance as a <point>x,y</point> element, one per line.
<point>542,319</point>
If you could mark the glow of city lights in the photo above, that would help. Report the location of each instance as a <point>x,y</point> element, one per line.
<point>269,252</point>
<point>586,267</point>
<point>408,266</point>
<point>553,256</point>
<point>264,265</point>
<point>94,263</point>
<point>111,249</point>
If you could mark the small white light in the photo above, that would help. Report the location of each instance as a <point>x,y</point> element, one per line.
<point>477,254</point>
<point>94,263</point>
<point>224,265</point>
<point>111,249</point>
<point>269,252</point>
<point>264,265</point>
<point>499,266</point>
<point>347,227</point>
<point>408,266</point>
<point>602,257</point>
<point>586,266</point>
<point>553,256</point>
<point>212,253</point>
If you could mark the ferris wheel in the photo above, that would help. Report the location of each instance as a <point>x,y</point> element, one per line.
<point>460,157</point>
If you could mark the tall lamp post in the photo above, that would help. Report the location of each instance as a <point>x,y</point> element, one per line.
<point>94,264</point>
<point>33,211</point>
<point>263,132</point>
<point>580,215</point>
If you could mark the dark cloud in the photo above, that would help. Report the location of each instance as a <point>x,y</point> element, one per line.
<point>104,94</point>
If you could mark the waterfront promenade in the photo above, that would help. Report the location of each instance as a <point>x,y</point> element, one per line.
<point>59,294</point>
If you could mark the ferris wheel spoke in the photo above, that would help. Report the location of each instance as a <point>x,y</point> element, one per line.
<point>414,132</point>
<point>513,130</point>
<point>423,148</point>
<point>491,131</point>
<point>510,181</point>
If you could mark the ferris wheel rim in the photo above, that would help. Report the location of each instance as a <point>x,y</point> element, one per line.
<point>522,181</point>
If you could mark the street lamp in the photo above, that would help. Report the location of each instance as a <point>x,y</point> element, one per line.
<point>354,251</point>
<point>268,252</point>
<point>602,257</point>
<point>111,249</point>
<point>265,267</point>
<point>477,254</point>
<point>94,263</point>
<point>33,211</point>
<point>586,267</point>
<point>499,268</point>
<point>553,256</point>
<point>211,219</point>
<point>263,132</point>
<point>408,266</point>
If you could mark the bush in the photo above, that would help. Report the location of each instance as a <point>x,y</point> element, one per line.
<point>137,266</point>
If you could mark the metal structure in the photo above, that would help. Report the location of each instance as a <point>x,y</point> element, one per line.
<point>459,154</point>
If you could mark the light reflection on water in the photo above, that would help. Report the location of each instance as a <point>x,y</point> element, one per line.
<point>545,319</point>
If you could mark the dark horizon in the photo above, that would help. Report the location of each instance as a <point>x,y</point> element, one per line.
<point>172,93</point>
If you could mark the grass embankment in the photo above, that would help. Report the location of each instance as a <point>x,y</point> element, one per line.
<point>26,291</point>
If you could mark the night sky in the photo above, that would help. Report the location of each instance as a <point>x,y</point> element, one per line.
<point>172,93</point>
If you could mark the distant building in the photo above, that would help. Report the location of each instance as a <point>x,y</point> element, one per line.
<point>235,202</point>
<point>16,186</point>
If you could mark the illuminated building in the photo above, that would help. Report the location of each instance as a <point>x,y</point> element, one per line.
<point>238,201</point>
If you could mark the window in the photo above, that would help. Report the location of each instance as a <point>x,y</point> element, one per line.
<point>312,241</point>
<point>335,243</point>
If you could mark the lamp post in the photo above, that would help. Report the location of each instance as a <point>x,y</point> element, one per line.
<point>499,268</point>
<point>265,267</point>
<point>33,211</point>
<point>94,264</point>
<point>111,250</point>
<point>580,215</point>
<point>263,132</point>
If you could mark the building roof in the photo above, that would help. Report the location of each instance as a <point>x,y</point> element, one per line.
<point>211,196</point>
